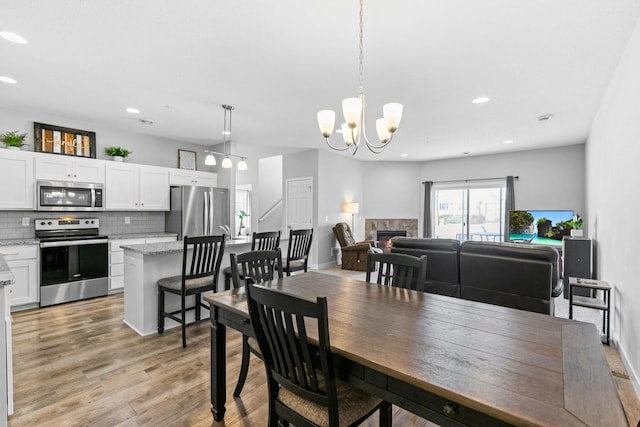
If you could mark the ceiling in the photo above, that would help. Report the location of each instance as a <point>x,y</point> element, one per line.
<point>279,62</point>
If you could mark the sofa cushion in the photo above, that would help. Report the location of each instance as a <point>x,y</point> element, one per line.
<point>442,258</point>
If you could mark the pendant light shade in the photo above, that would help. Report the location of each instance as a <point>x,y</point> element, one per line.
<point>210,159</point>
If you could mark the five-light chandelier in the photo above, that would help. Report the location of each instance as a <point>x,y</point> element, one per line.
<point>210,159</point>
<point>353,130</point>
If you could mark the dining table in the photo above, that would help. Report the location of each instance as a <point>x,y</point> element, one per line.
<point>452,361</point>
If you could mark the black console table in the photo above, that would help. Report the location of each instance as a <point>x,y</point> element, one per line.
<point>591,285</point>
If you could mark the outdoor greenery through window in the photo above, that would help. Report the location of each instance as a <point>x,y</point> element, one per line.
<point>469,211</point>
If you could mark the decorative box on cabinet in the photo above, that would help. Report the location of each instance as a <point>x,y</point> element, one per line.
<point>577,262</point>
<point>23,263</point>
<point>116,258</point>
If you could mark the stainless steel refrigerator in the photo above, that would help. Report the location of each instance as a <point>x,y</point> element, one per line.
<point>197,211</point>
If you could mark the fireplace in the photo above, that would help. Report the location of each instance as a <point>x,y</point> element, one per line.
<point>384,238</point>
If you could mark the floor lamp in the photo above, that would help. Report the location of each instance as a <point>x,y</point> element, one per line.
<point>353,209</point>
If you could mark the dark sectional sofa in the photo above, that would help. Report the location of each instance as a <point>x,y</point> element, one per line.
<point>507,274</point>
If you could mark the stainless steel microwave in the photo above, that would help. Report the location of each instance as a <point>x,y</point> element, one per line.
<point>69,196</point>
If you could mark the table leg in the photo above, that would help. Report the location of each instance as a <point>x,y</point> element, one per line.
<point>218,367</point>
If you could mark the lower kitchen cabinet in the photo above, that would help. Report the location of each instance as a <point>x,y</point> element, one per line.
<point>23,262</point>
<point>116,258</point>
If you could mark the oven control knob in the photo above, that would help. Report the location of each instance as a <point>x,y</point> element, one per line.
<point>42,223</point>
<point>49,223</point>
<point>87,222</point>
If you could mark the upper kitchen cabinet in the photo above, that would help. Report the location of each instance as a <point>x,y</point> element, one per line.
<point>16,179</point>
<point>62,168</point>
<point>195,178</point>
<point>136,187</point>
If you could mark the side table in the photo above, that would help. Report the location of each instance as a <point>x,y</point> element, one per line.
<point>591,302</point>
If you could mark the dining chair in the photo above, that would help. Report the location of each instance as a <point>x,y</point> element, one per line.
<point>399,270</point>
<point>201,258</point>
<point>298,251</point>
<point>265,241</point>
<point>253,267</point>
<point>301,381</point>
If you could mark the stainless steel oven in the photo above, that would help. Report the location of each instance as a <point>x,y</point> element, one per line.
<point>73,260</point>
<point>69,196</point>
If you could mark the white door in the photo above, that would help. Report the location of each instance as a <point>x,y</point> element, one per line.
<point>299,203</point>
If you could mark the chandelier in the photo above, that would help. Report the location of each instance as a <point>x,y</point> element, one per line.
<point>210,159</point>
<point>354,109</point>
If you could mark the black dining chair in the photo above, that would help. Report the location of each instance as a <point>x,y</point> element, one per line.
<point>265,241</point>
<point>399,270</point>
<point>253,267</point>
<point>201,258</point>
<point>298,251</point>
<point>301,380</point>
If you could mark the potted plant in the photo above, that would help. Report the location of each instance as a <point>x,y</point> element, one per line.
<point>117,153</point>
<point>576,224</point>
<point>13,139</point>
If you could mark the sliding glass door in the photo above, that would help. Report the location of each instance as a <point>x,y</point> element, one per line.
<point>469,212</point>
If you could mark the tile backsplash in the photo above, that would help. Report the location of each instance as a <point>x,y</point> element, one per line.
<point>110,222</point>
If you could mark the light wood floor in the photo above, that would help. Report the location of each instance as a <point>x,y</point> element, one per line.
<point>78,364</point>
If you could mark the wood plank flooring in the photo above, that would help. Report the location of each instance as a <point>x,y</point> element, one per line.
<point>78,364</point>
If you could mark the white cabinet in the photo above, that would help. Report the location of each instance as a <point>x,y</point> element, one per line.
<point>23,262</point>
<point>16,180</point>
<point>196,178</point>
<point>116,257</point>
<point>65,168</point>
<point>136,187</point>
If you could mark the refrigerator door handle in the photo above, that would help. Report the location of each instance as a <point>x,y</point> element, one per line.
<point>211,212</point>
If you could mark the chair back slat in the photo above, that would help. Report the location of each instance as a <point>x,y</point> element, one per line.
<point>256,266</point>
<point>399,270</point>
<point>202,256</point>
<point>299,244</point>
<point>279,322</point>
<point>265,241</point>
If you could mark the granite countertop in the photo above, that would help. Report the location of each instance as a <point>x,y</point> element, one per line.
<point>11,242</point>
<point>168,247</point>
<point>6,277</point>
<point>141,235</point>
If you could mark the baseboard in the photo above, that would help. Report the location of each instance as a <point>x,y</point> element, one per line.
<point>323,265</point>
<point>633,375</point>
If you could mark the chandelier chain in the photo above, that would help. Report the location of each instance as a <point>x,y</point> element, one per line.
<point>361,46</point>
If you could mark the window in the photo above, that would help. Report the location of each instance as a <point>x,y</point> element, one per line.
<point>243,210</point>
<point>469,211</point>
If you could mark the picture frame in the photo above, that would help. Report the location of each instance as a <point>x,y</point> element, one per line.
<point>187,160</point>
<point>64,141</point>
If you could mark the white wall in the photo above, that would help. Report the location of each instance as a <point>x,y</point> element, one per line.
<point>613,150</point>
<point>552,178</point>
<point>391,190</point>
<point>340,180</point>
<point>148,150</point>
<point>270,199</point>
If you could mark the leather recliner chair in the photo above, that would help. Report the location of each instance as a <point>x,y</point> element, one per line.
<point>354,254</point>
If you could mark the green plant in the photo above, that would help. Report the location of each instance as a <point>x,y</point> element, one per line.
<point>576,222</point>
<point>117,151</point>
<point>13,138</point>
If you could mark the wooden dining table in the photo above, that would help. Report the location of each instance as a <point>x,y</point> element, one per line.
<point>449,360</point>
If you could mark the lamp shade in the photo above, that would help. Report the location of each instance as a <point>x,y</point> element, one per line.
<point>242,165</point>
<point>352,208</point>
<point>352,109</point>
<point>392,114</point>
<point>210,160</point>
<point>226,163</point>
<point>326,121</point>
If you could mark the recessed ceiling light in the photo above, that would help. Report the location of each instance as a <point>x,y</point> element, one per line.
<point>132,110</point>
<point>481,100</point>
<point>403,155</point>
<point>9,80</point>
<point>545,117</point>
<point>508,141</point>
<point>13,37</point>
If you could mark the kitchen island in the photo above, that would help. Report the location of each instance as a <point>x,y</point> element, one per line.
<point>144,265</point>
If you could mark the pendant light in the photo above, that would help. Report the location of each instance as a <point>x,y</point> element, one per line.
<point>210,159</point>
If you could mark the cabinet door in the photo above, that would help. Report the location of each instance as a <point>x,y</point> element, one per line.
<point>61,168</point>
<point>16,180</point>
<point>186,177</point>
<point>121,188</point>
<point>116,261</point>
<point>154,188</point>
<point>25,287</point>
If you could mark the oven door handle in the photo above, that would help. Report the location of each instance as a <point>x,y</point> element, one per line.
<point>72,243</point>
